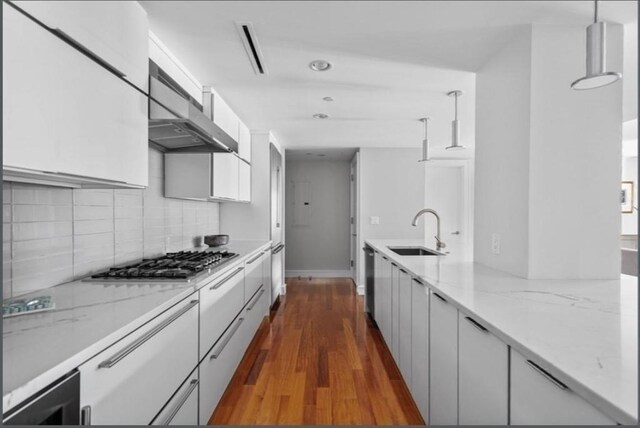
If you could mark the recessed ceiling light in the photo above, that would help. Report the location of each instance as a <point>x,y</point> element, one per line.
<point>320,154</point>
<point>309,154</point>
<point>328,99</point>
<point>320,116</point>
<point>320,65</point>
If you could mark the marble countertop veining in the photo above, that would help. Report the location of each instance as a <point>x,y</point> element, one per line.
<point>583,331</point>
<point>89,316</point>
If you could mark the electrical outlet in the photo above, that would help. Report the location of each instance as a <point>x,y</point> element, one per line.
<point>375,219</point>
<point>495,243</point>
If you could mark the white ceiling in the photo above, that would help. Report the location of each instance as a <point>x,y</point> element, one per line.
<point>394,61</point>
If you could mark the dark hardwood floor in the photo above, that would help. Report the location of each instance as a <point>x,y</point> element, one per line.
<point>320,361</point>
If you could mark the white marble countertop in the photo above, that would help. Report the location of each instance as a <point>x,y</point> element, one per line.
<point>88,317</point>
<point>585,332</point>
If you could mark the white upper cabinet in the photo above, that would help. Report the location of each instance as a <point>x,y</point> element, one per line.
<point>224,117</point>
<point>114,31</point>
<point>164,59</point>
<point>225,176</point>
<point>244,141</point>
<point>244,183</point>
<point>483,375</point>
<point>66,118</point>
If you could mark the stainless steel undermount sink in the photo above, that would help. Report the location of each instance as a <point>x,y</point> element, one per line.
<point>415,251</point>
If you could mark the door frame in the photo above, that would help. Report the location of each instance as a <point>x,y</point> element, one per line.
<point>467,198</point>
<point>354,227</point>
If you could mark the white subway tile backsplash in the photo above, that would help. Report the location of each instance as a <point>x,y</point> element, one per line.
<point>31,213</point>
<point>40,195</point>
<point>6,213</point>
<point>90,227</point>
<point>6,192</point>
<point>53,235</point>
<point>41,248</point>
<point>41,230</point>
<point>84,212</point>
<point>93,197</point>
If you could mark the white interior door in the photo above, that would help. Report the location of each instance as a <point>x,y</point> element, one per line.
<point>448,191</point>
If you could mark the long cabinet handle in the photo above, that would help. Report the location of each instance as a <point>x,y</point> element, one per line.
<point>440,297</point>
<point>278,249</point>
<point>476,324</point>
<point>226,278</point>
<point>226,340</point>
<point>255,301</point>
<point>85,415</point>
<point>548,375</point>
<point>193,384</point>
<point>415,280</point>
<point>82,48</point>
<point>403,271</point>
<point>254,259</point>
<point>110,362</point>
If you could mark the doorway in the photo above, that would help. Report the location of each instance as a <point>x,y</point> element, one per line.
<point>449,191</point>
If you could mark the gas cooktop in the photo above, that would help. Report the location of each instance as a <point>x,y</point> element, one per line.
<point>180,266</point>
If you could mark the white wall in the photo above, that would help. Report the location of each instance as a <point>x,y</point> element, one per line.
<point>502,157</point>
<point>548,158</point>
<point>391,188</point>
<point>630,72</point>
<point>318,239</point>
<point>629,221</point>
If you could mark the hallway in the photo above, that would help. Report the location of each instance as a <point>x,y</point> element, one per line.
<point>320,361</point>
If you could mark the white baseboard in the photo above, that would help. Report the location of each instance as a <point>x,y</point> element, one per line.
<point>318,273</point>
<point>360,290</point>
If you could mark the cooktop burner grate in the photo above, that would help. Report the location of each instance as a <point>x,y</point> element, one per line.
<point>181,265</point>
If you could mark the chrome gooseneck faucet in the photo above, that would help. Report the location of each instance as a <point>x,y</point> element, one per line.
<point>439,244</point>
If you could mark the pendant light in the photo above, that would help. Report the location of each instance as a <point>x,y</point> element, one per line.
<point>597,75</point>
<point>425,142</point>
<point>455,124</point>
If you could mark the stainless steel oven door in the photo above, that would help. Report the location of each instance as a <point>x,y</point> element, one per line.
<point>57,404</point>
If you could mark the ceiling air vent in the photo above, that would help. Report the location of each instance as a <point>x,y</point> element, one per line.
<point>251,46</point>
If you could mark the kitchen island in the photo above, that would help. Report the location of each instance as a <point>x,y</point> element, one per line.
<point>583,332</point>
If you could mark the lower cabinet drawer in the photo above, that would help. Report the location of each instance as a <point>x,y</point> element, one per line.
<point>131,381</point>
<point>253,276</point>
<point>219,365</point>
<point>538,398</point>
<point>254,312</point>
<point>182,408</point>
<point>220,302</point>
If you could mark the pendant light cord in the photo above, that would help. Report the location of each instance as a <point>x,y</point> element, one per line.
<point>456,106</point>
<point>595,13</point>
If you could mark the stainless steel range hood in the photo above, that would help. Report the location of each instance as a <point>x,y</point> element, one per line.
<point>176,121</point>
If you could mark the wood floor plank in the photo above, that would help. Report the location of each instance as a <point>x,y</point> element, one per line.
<point>317,359</point>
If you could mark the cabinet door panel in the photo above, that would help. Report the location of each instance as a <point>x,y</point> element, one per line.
<point>220,302</point>
<point>395,311</point>
<point>225,176</point>
<point>443,393</point>
<point>78,119</point>
<point>112,381</point>
<point>115,31</point>
<point>218,367</point>
<point>386,293</point>
<point>252,276</point>
<point>420,347</point>
<point>537,400</point>
<point>377,288</point>
<point>244,182</point>
<point>187,175</point>
<point>182,409</point>
<point>483,370</point>
<point>244,142</point>
<point>266,275</point>
<point>224,117</point>
<point>404,325</point>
